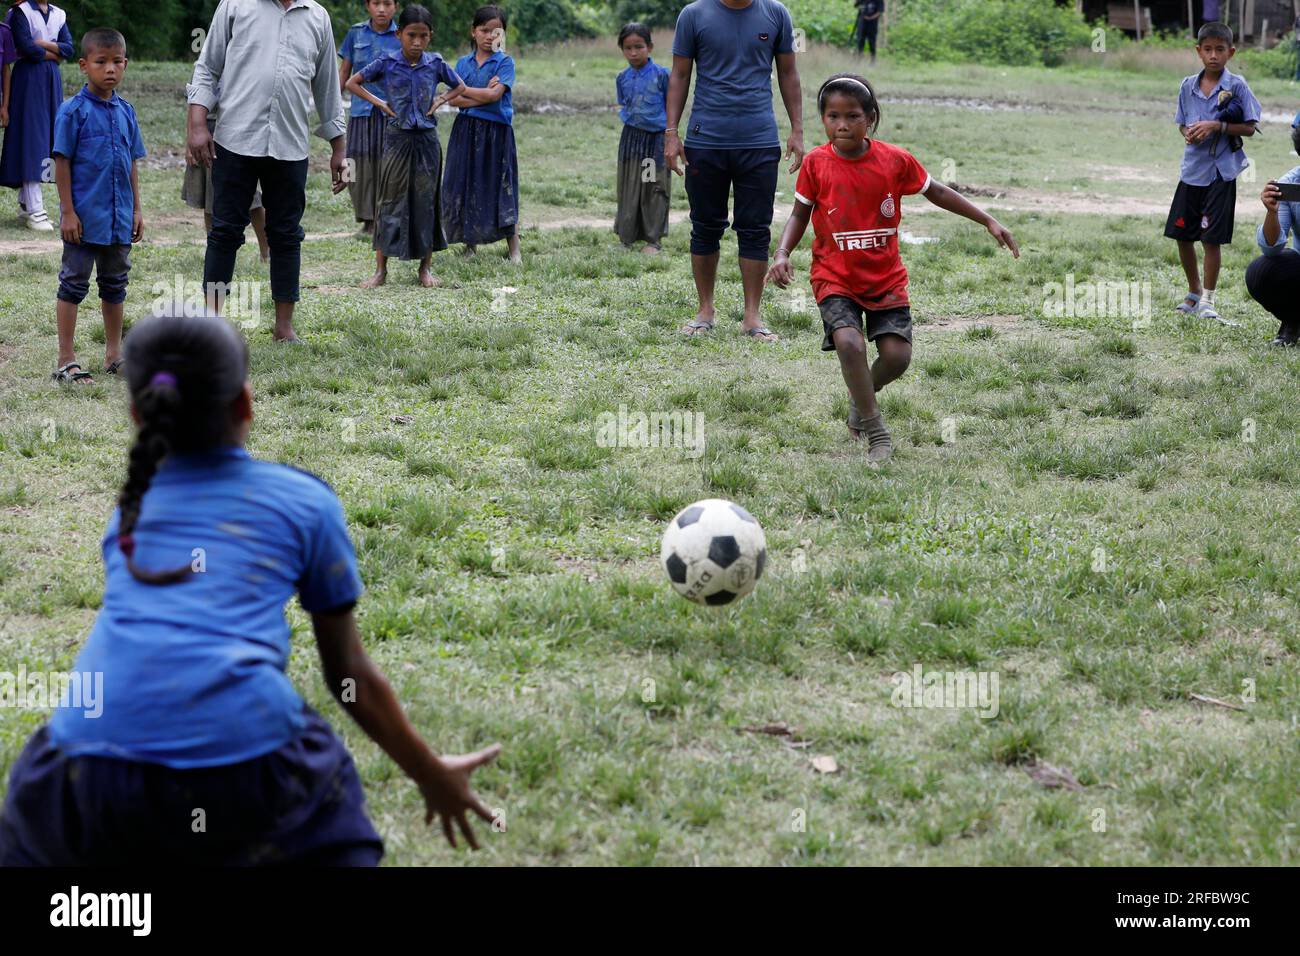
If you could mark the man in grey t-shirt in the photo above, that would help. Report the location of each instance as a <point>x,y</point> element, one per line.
<point>272,58</point>
<point>732,140</point>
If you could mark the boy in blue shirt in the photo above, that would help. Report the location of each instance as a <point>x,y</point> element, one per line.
<point>1215,110</point>
<point>96,146</point>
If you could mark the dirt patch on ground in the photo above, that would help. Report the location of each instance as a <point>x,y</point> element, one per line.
<point>961,323</point>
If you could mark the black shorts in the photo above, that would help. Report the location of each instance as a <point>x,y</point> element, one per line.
<point>841,312</point>
<point>1203,213</point>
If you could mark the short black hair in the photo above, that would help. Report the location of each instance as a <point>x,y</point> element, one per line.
<point>414,14</point>
<point>102,38</point>
<point>488,13</point>
<point>1295,139</point>
<point>634,30</point>
<point>1214,30</point>
<point>850,84</point>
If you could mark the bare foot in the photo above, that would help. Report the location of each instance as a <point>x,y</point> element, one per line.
<point>469,251</point>
<point>375,281</point>
<point>516,259</point>
<point>650,250</point>
<point>429,280</point>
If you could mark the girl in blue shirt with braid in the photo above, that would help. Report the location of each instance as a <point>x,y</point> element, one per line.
<point>192,709</point>
<point>643,183</point>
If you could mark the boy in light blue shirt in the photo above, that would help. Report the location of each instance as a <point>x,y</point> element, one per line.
<point>1215,110</point>
<point>96,146</point>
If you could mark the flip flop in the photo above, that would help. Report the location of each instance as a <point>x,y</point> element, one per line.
<point>698,325</point>
<point>760,332</point>
<point>112,368</point>
<point>66,375</point>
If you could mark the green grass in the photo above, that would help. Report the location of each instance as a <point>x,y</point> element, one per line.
<point>511,561</point>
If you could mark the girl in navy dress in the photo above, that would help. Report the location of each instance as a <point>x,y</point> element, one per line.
<point>407,223</point>
<point>192,747</point>
<point>41,36</point>
<point>480,192</point>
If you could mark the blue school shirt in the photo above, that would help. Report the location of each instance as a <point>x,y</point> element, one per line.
<point>498,65</point>
<point>361,47</point>
<point>643,96</point>
<point>1202,161</point>
<point>1288,220</point>
<point>733,52</point>
<point>194,672</point>
<point>101,138</point>
<point>411,88</point>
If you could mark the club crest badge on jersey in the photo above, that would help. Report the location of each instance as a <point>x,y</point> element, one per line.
<point>887,208</point>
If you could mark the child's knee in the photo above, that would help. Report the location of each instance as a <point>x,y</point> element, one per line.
<point>895,351</point>
<point>850,346</point>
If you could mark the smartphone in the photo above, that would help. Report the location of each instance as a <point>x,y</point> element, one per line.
<point>1290,191</point>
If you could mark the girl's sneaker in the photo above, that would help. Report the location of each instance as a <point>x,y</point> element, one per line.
<point>1206,310</point>
<point>39,221</point>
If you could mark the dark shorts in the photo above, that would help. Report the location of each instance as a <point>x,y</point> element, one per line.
<point>1203,213</point>
<point>711,176</point>
<point>841,312</point>
<point>110,263</point>
<point>301,804</point>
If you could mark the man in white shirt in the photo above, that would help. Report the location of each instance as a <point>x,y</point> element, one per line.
<point>272,59</point>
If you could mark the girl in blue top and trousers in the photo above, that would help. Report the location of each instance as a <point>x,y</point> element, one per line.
<point>189,708</point>
<point>480,191</point>
<point>41,36</point>
<point>643,180</point>
<point>408,223</point>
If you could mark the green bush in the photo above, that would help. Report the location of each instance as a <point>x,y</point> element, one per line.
<point>824,21</point>
<point>1278,62</point>
<point>1013,32</point>
<point>653,13</point>
<point>546,21</point>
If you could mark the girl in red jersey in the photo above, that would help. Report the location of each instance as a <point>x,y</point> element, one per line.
<point>851,188</point>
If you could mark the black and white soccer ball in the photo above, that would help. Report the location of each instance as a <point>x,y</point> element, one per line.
<point>714,552</point>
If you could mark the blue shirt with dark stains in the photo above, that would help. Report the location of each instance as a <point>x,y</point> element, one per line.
<point>411,88</point>
<point>194,672</point>
<point>643,97</point>
<point>101,139</point>
<point>361,47</point>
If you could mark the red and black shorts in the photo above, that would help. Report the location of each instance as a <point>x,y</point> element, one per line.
<point>1203,213</point>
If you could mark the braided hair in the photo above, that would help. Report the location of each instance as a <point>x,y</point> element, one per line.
<point>183,374</point>
<point>850,84</point>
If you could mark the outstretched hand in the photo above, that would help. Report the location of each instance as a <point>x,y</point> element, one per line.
<point>447,793</point>
<point>1003,235</point>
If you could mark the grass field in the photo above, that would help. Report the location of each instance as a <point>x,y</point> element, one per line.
<point>1099,513</point>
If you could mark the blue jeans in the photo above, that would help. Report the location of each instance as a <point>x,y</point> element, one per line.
<point>111,264</point>
<point>284,197</point>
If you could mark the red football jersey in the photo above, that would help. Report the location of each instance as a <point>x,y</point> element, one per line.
<point>856,211</point>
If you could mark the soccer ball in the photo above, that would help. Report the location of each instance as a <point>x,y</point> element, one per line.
<point>714,552</point>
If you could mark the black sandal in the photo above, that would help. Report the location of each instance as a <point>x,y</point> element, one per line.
<point>112,368</point>
<point>66,375</point>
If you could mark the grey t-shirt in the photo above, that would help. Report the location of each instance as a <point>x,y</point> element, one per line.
<point>733,52</point>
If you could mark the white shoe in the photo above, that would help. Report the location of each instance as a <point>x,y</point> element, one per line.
<point>39,222</point>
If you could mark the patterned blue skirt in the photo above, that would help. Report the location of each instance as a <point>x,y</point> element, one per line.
<point>299,805</point>
<point>480,191</point>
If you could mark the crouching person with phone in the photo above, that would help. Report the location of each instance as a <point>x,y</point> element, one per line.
<point>1274,278</point>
